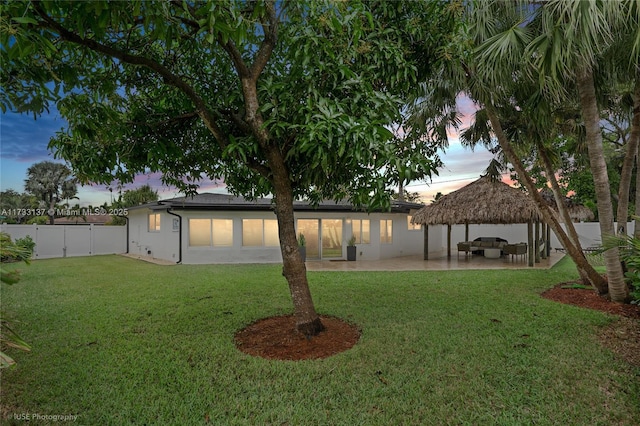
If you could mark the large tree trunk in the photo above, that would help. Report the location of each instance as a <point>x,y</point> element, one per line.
<point>635,134</point>
<point>627,167</point>
<point>618,290</point>
<point>294,270</point>
<point>585,270</point>
<point>51,211</point>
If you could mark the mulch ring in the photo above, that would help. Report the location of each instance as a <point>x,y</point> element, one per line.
<point>277,338</point>
<point>588,298</point>
<point>622,336</point>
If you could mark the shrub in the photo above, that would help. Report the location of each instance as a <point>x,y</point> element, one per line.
<point>38,220</point>
<point>27,243</point>
<point>10,251</point>
<point>15,252</point>
<point>629,251</point>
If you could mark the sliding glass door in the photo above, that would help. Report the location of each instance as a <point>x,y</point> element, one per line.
<point>331,238</point>
<point>323,237</point>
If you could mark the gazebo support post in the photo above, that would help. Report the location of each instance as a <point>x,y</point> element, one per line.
<point>449,241</point>
<point>466,231</point>
<point>531,244</point>
<point>543,236</point>
<point>537,242</point>
<point>425,248</point>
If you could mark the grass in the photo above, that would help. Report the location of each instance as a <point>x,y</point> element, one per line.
<point>118,341</point>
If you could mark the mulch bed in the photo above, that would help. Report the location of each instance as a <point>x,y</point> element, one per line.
<point>277,338</point>
<point>622,336</point>
<point>588,298</point>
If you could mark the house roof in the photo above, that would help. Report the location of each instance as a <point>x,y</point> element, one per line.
<point>482,201</point>
<point>90,219</point>
<point>210,201</point>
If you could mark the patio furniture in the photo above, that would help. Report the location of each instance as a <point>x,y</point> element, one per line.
<point>465,247</point>
<point>492,253</point>
<point>481,244</point>
<point>519,249</point>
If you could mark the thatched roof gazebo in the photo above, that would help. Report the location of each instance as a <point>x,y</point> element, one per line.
<point>484,201</point>
<point>577,212</point>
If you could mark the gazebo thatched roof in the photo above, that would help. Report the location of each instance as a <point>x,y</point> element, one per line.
<point>482,201</point>
<point>577,212</point>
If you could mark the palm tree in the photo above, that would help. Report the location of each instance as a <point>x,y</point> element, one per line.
<point>559,44</point>
<point>587,30</point>
<point>51,183</point>
<point>490,74</point>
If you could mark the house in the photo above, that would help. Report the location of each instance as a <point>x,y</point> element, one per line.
<point>83,219</point>
<point>220,228</point>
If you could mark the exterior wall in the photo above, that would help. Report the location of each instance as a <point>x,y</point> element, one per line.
<point>159,245</point>
<point>87,240</point>
<point>164,244</point>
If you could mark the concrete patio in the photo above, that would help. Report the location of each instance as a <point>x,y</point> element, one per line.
<point>409,263</point>
<point>416,263</point>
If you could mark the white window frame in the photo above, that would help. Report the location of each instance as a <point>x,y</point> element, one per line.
<point>360,234</point>
<point>413,226</point>
<point>386,237</point>
<point>263,227</point>
<point>212,230</point>
<point>213,233</point>
<point>155,219</point>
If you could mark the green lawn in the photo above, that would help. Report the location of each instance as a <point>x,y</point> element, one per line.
<point>118,341</point>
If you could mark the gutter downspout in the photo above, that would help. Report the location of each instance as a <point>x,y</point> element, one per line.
<point>126,219</point>
<point>179,234</point>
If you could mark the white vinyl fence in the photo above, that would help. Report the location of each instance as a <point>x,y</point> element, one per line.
<point>71,240</point>
<point>588,232</point>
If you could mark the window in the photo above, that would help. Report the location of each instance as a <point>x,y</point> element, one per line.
<point>271,235</point>
<point>210,232</point>
<point>386,231</point>
<point>222,234</point>
<point>260,232</point>
<point>413,226</point>
<point>199,232</point>
<point>154,222</point>
<point>361,230</point>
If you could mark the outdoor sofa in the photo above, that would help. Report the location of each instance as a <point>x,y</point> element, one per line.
<point>479,245</point>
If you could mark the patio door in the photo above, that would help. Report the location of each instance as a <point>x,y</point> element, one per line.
<point>323,236</point>
<point>331,238</point>
<point>310,228</point>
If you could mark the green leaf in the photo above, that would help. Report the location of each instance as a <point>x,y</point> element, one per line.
<point>24,20</point>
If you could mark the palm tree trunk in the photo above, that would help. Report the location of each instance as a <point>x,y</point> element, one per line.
<point>586,271</point>
<point>559,198</point>
<point>627,168</point>
<point>635,135</point>
<point>571,230</point>
<point>618,290</point>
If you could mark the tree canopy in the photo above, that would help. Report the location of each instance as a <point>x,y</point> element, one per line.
<point>162,88</point>
<point>50,183</point>
<point>292,99</point>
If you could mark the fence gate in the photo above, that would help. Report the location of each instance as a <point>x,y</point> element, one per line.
<point>71,240</point>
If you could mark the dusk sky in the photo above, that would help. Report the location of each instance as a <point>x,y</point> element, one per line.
<point>23,142</point>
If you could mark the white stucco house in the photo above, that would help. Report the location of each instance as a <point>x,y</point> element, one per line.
<point>220,228</point>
